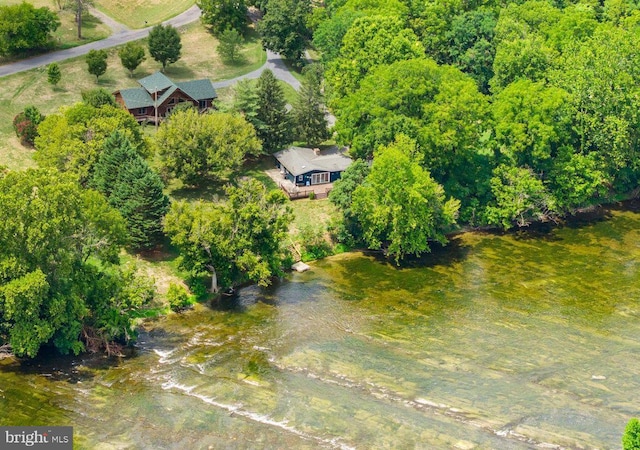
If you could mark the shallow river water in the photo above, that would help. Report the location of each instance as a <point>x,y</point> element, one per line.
<point>499,342</point>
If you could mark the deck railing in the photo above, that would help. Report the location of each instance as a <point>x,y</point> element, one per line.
<point>305,192</point>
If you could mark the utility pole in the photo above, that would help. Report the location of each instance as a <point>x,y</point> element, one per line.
<point>79,17</point>
<point>155,105</point>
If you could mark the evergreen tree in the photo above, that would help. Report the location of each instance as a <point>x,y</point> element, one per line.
<point>117,153</point>
<point>308,112</point>
<point>273,124</point>
<point>53,74</point>
<point>97,62</point>
<point>138,195</point>
<point>164,44</point>
<point>132,188</point>
<point>245,100</point>
<point>230,42</point>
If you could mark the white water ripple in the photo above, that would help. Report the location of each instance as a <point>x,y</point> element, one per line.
<point>255,417</point>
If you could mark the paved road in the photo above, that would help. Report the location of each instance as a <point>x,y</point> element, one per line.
<point>277,66</point>
<point>121,35</point>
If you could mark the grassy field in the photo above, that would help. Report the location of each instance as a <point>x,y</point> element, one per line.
<point>314,213</point>
<point>199,60</point>
<point>66,35</point>
<point>142,13</point>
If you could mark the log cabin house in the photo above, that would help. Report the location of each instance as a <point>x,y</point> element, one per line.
<point>158,95</point>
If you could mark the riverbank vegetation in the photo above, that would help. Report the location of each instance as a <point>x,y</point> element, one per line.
<point>520,112</point>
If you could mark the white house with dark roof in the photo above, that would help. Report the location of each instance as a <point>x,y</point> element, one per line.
<point>307,167</point>
<point>158,95</point>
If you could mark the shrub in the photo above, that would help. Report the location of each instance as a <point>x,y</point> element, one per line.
<point>179,297</point>
<point>26,124</point>
<point>314,244</point>
<point>631,438</point>
<point>312,195</point>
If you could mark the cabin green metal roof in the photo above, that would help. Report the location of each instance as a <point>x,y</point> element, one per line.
<point>165,95</point>
<point>156,82</point>
<point>198,89</point>
<point>144,96</point>
<point>136,98</point>
<point>301,160</point>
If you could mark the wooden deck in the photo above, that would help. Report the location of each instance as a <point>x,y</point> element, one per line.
<point>295,192</point>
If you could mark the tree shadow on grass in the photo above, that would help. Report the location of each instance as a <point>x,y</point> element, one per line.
<point>211,192</point>
<point>90,22</point>
<point>180,72</point>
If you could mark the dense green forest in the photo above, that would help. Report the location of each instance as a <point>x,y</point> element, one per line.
<point>522,111</point>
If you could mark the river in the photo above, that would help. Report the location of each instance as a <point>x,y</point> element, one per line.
<point>508,341</point>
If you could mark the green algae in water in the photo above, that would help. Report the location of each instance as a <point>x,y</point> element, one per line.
<point>498,342</point>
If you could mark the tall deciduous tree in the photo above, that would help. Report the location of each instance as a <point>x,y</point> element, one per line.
<point>132,188</point>
<point>219,15</point>
<point>520,198</point>
<point>347,229</point>
<point>239,239</point>
<point>309,110</point>
<point>47,285</point>
<point>25,28</point>
<point>602,75</point>
<point>273,124</point>
<point>328,36</point>
<point>472,46</point>
<point>370,42</point>
<point>79,7</point>
<point>399,206</point>
<point>72,139</point>
<point>131,56</point>
<point>196,147</point>
<point>439,106</point>
<point>97,62</point>
<point>284,27</point>
<point>164,44</point>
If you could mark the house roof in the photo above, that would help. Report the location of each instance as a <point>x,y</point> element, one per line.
<point>198,89</point>
<point>299,160</point>
<point>156,82</point>
<point>136,98</point>
<point>144,96</point>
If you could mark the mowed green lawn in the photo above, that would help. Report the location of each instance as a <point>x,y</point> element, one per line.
<point>143,13</point>
<point>199,60</point>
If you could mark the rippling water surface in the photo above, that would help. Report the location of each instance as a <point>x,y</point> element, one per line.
<point>499,342</point>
